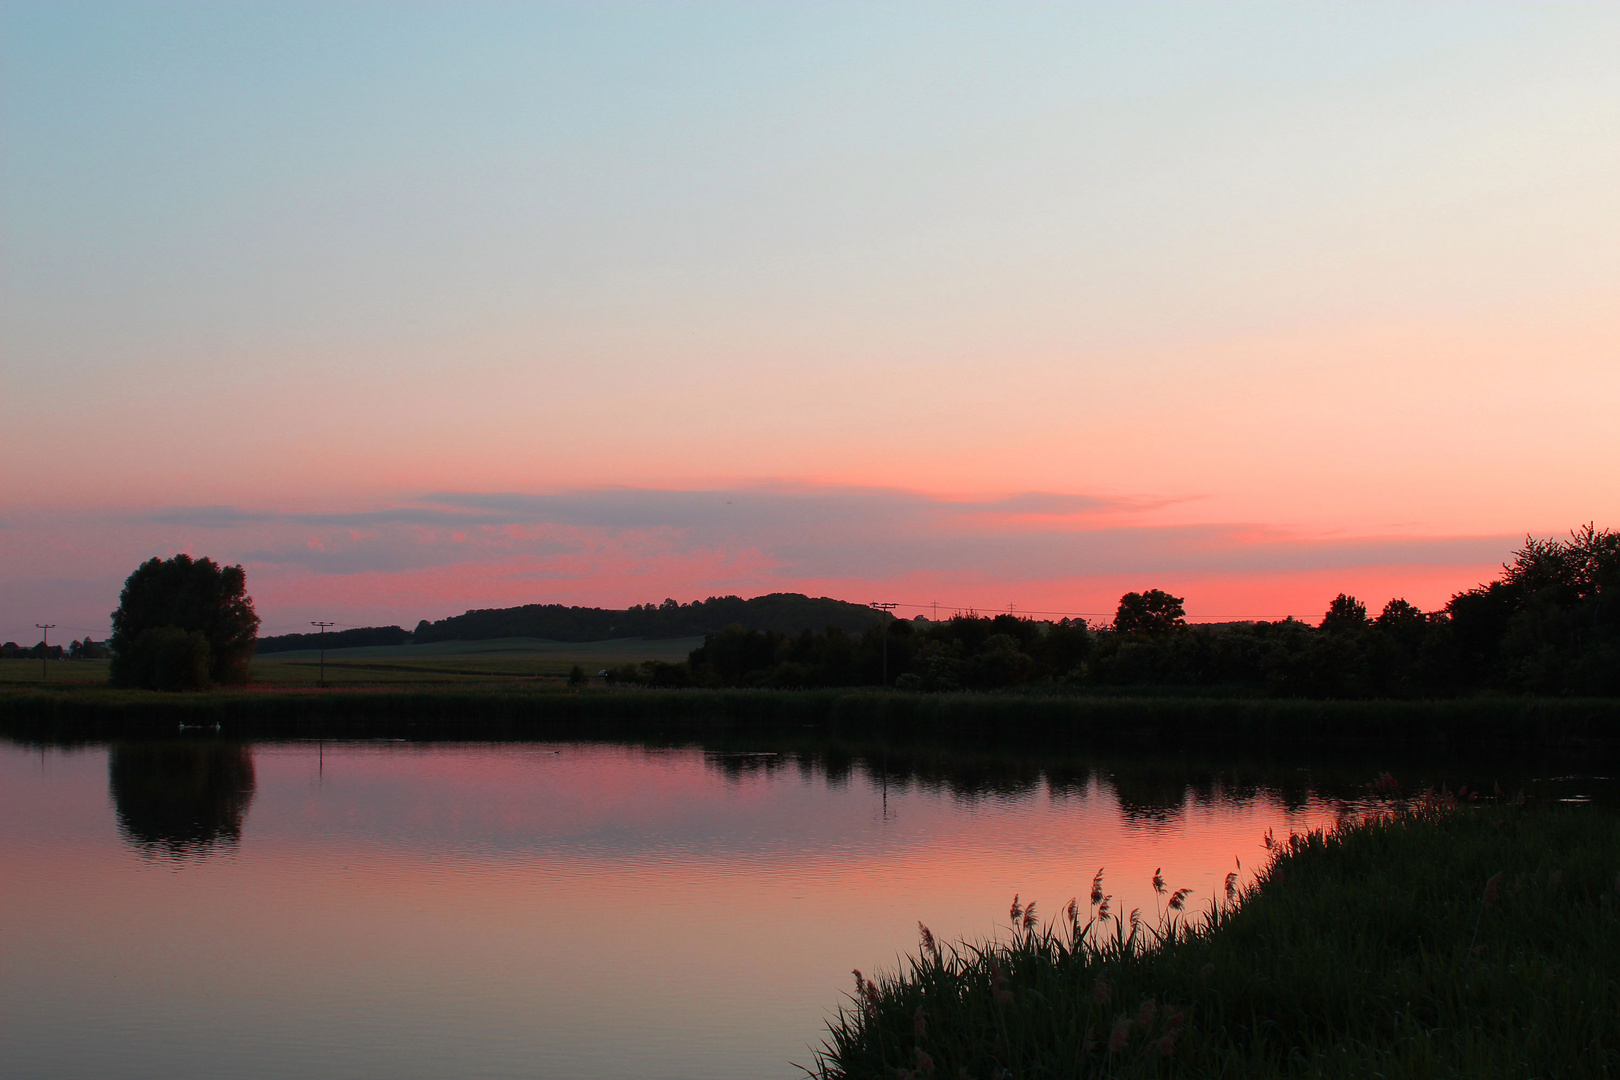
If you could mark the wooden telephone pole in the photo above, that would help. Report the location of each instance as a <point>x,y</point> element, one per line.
<point>44,657</point>
<point>886,609</point>
<point>323,626</point>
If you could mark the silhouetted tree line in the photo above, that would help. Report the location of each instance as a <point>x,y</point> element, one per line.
<point>1549,625</point>
<point>358,637</point>
<point>967,652</point>
<point>777,612</point>
<point>38,651</point>
<point>88,650</point>
<point>76,650</point>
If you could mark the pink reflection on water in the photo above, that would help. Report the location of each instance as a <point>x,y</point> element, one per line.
<point>538,910</point>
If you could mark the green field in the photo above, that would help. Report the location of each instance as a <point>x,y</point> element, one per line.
<point>65,672</point>
<point>500,659</point>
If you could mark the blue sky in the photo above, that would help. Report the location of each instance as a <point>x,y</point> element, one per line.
<point>1340,273</point>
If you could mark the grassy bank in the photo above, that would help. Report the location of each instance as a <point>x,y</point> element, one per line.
<point>1473,942</point>
<point>18,672</point>
<point>500,659</point>
<point>534,711</point>
<point>505,660</point>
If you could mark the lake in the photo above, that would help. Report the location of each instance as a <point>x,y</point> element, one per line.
<point>203,908</point>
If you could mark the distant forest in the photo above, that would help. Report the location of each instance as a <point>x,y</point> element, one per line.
<point>339,639</point>
<point>783,613</point>
<point>1549,625</point>
<point>77,650</point>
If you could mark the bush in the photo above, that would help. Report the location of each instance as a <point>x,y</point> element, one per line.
<point>168,658</point>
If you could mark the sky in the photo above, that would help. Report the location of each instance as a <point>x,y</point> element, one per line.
<point>414,308</point>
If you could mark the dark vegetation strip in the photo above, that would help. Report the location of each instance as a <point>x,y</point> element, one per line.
<point>422,669</point>
<point>356,637</point>
<point>1099,723</point>
<point>1438,942</point>
<point>778,612</point>
<point>1549,625</point>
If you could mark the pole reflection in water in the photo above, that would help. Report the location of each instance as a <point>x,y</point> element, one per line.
<point>181,799</point>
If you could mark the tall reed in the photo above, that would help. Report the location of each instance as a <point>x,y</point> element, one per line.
<point>1441,939</point>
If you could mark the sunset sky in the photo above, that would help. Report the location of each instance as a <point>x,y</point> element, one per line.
<point>416,308</point>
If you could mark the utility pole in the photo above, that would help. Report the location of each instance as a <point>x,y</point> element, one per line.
<point>44,657</point>
<point>886,609</point>
<point>323,626</point>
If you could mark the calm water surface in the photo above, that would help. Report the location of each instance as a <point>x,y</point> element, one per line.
<point>210,909</point>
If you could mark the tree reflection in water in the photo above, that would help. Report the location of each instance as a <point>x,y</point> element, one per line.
<point>1150,791</point>
<point>181,799</point>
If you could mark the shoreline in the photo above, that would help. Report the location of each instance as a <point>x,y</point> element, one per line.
<point>1164,724</point>
<point>1439,940</point>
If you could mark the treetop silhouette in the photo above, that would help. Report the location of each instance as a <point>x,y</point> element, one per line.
<point>182,623</point>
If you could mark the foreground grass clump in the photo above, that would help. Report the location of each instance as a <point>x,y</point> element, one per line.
<point>1437,941</point>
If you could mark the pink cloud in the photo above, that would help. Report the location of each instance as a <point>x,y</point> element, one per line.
<point>441,554</point>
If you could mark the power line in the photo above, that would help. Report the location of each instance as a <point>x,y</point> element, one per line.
<point>340,625</point>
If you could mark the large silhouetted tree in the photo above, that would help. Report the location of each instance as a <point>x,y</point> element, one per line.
<point>1153,612</point>
<point>182,623</point>
<point>1344,615</point>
